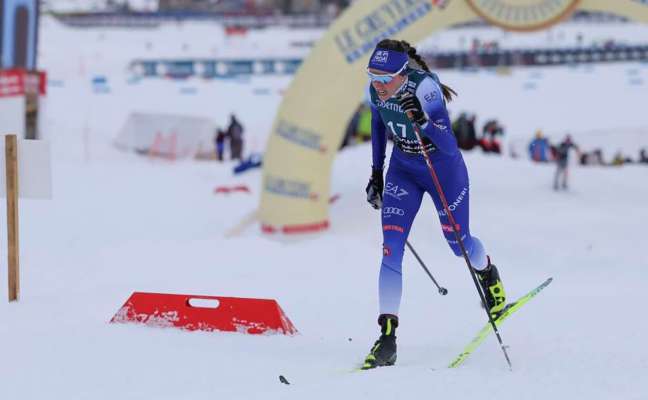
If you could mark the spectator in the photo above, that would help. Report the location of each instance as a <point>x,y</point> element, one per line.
<point>592,158</point>
<point>359,128</point>
<point>219,140</point>
<point>363,130</point>
<point>464,129</point>
<point>488,141</point>
<point>562,162</point>
<point>352,128</point>
<point>618,159</point>
<point>235,135</point>
<point>643,156</point>
<point>539,148</point>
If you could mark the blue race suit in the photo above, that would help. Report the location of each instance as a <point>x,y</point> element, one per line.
<point>408,178</point>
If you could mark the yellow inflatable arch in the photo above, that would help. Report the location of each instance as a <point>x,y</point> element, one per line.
<point>312,118</point>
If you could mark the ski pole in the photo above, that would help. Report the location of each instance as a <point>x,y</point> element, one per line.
<point>439,190</point>
<point>443,291</point>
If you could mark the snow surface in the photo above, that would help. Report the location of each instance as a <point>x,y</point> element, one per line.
<point>119,223</point>
<point>115,228</point>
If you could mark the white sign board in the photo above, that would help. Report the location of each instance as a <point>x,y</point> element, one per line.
<point>34,169</point>
<point>12,114</point>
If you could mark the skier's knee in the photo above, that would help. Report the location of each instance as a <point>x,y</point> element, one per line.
<point>456,247</point>
<point>396,268</point>
<point>392,256</point>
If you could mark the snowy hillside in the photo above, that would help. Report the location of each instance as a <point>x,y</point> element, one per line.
<point>607,99</point>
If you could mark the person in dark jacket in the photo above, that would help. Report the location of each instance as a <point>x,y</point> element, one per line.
<point>464,129</point>
<point>562,162</point>
<point>235,135</point>
<point>643,156</point>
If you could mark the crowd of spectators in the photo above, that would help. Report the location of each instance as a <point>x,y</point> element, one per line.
<point>467,138</point>
<point>541,150</point>
<point>359,131</point>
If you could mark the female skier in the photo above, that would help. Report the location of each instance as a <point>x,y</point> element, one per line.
<point>404,92</point>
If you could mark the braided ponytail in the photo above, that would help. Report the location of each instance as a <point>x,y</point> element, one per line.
<point>448,92</point>
<point>411,52</point>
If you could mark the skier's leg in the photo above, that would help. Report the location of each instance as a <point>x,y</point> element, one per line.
<point>401,201</point>
<point>453,178</point>
<point>565,175</point>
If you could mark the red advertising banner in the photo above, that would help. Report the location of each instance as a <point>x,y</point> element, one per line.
<point>18,82</point>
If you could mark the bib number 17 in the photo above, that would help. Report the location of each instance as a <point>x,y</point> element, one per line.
<point>403,129</point>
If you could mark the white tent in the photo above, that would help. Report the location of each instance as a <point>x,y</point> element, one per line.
<point>174,136</point>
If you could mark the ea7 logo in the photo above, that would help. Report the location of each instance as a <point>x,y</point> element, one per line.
<point>389,211</point>
<point>395,191</point>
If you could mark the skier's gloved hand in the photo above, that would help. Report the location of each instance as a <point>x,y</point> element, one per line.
<point>411,106</point>
<point>375,188</point>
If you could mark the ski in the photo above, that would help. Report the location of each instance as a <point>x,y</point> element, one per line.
<point>505,313</point>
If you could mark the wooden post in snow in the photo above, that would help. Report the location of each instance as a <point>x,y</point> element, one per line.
<point>11,168</point>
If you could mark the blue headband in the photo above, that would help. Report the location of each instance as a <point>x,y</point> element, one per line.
<point>388,60</point>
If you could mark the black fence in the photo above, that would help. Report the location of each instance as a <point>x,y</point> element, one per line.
<point>213,69</point>
<point>235,68</point>
<point>150,19</point>
<point>537,57</point>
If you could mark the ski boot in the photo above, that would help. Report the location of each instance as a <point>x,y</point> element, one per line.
<point>491,284</point>
<point>383,352</point>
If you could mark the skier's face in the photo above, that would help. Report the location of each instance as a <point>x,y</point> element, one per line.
<point>386,90</point>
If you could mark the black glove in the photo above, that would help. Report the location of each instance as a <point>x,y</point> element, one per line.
<point>411,106</point>
<point>375,189</point>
